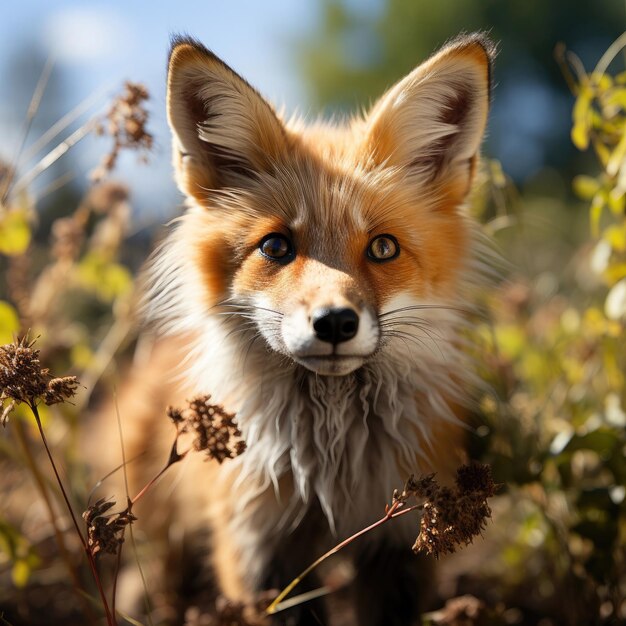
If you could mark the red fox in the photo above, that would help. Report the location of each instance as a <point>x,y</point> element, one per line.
<point>316,286</point>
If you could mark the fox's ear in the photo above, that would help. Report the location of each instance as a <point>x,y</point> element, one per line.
<point>432,122</point>
<point>224,132</point>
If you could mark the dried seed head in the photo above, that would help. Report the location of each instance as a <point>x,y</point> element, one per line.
<point>67,237</point>
<point>6,411</point>
<point>475,478</point>
<point>105,533</point>
<point>126,124</point>
<point>103,198</point>
<point>176,415</point>
<point>213,430</point>
<point>22,379</point>
<point>422,487</point>
<point>453,517</point>
<point>60,390</point>
<point>21,376</point>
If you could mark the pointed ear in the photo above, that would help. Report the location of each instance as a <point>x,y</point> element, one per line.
<point>224,132</point>
<point>432,122</point>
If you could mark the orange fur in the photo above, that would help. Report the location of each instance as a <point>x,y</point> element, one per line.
<point>336,412</point>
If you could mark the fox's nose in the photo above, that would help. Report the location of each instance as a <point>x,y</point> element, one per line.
<point>335,325</point>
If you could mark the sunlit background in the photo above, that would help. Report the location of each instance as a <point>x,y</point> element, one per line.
<point>550,346</point>
<point>316,57</point>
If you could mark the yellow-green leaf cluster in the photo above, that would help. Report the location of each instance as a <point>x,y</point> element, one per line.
<point>104,277</point>
<point>15,232</point>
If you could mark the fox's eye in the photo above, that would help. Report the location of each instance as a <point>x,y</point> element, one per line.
<point>383,248</point>
<point>276,247</point>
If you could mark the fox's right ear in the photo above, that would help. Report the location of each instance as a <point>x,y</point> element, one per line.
<point>224,132</point>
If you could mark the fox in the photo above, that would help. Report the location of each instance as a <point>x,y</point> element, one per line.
<point>317,285</point>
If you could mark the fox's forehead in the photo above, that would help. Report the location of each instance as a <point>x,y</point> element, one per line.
<point>328,182</point>
<point>340,143</point>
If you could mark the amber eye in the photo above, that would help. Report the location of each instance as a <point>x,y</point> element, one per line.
<point>383,248</point>
<point>276,247</point>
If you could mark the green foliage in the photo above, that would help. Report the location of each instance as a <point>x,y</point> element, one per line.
<point>355,54</point>
<point>15,232</point>
<point>9,322</point>
<point>16,549</point>
<point>555,431</point>
<point>62,283</point>
<point>107,279</point>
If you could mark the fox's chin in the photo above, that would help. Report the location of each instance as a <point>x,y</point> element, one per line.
<point>332,365</point>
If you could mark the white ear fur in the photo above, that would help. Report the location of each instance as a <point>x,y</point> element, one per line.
<point>223,130</point>
<point>435,117</point>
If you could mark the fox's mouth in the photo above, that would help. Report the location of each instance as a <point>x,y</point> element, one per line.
<point>331,364</point>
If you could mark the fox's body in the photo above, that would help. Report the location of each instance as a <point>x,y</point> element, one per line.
<point>318,278</point>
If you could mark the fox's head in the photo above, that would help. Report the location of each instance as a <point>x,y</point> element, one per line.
<point>325,240</point>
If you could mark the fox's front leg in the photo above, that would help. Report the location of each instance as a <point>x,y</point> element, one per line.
<point>294,552</point>
<point>393,586</point>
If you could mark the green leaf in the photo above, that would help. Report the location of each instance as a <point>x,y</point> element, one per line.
<point>9,322</point>
<point>15,232</point>
<point>582,117</point>
<point>107,279</point>
<point>602,440</point>
<point>615,304</point>
<point>616,236</point>
<point>617,97</point>
<point>617,156</point>
<point>20,573</point>
<point>617,202</point>
<point>595,213</point>
<point>586,187</point>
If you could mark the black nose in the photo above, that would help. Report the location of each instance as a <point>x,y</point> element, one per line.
<point>335,325</point>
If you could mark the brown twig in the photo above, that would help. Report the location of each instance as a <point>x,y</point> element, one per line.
<point>111,621</point>
<point>391,513</point>
<point>43,492</point>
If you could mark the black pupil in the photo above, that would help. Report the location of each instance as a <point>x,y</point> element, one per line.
<point>275,247</point>
<point>383,248</point>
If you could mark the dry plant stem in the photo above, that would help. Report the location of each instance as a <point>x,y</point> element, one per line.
<point>175,456</point>
<point>118,562</point>
<point>54,155</point>
<point>111,621</point>
<point>108,349</point>
<point>65,121</point>
<point>146,596</point>
<point>610,54</point>
<point>391,513</point>
<point>33,107</point>
<point>147,486</point>
<point>58,535</point>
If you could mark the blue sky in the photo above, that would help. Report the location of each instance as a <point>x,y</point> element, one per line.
<point>97,45</point>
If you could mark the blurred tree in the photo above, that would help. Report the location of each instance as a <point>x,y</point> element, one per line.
<point>359,49</point>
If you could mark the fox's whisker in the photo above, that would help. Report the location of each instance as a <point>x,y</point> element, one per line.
<point>422,307</point>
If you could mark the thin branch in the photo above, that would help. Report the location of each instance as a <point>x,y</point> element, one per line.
<point>58,535</point>
<point>146,595</point>
<point>33,107</point>
<point>54,155</point>
<point>109,346</point>
<point>393,512</point>
<point>609,55</point>
<point>65,121</point>
<point>111,621</point>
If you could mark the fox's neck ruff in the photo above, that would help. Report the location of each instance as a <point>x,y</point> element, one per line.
<point>347,441</point>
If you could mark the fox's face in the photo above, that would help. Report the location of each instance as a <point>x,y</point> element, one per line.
<point>327,242</point>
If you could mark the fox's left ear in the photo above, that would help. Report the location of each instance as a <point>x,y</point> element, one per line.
<point>432,122</point>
